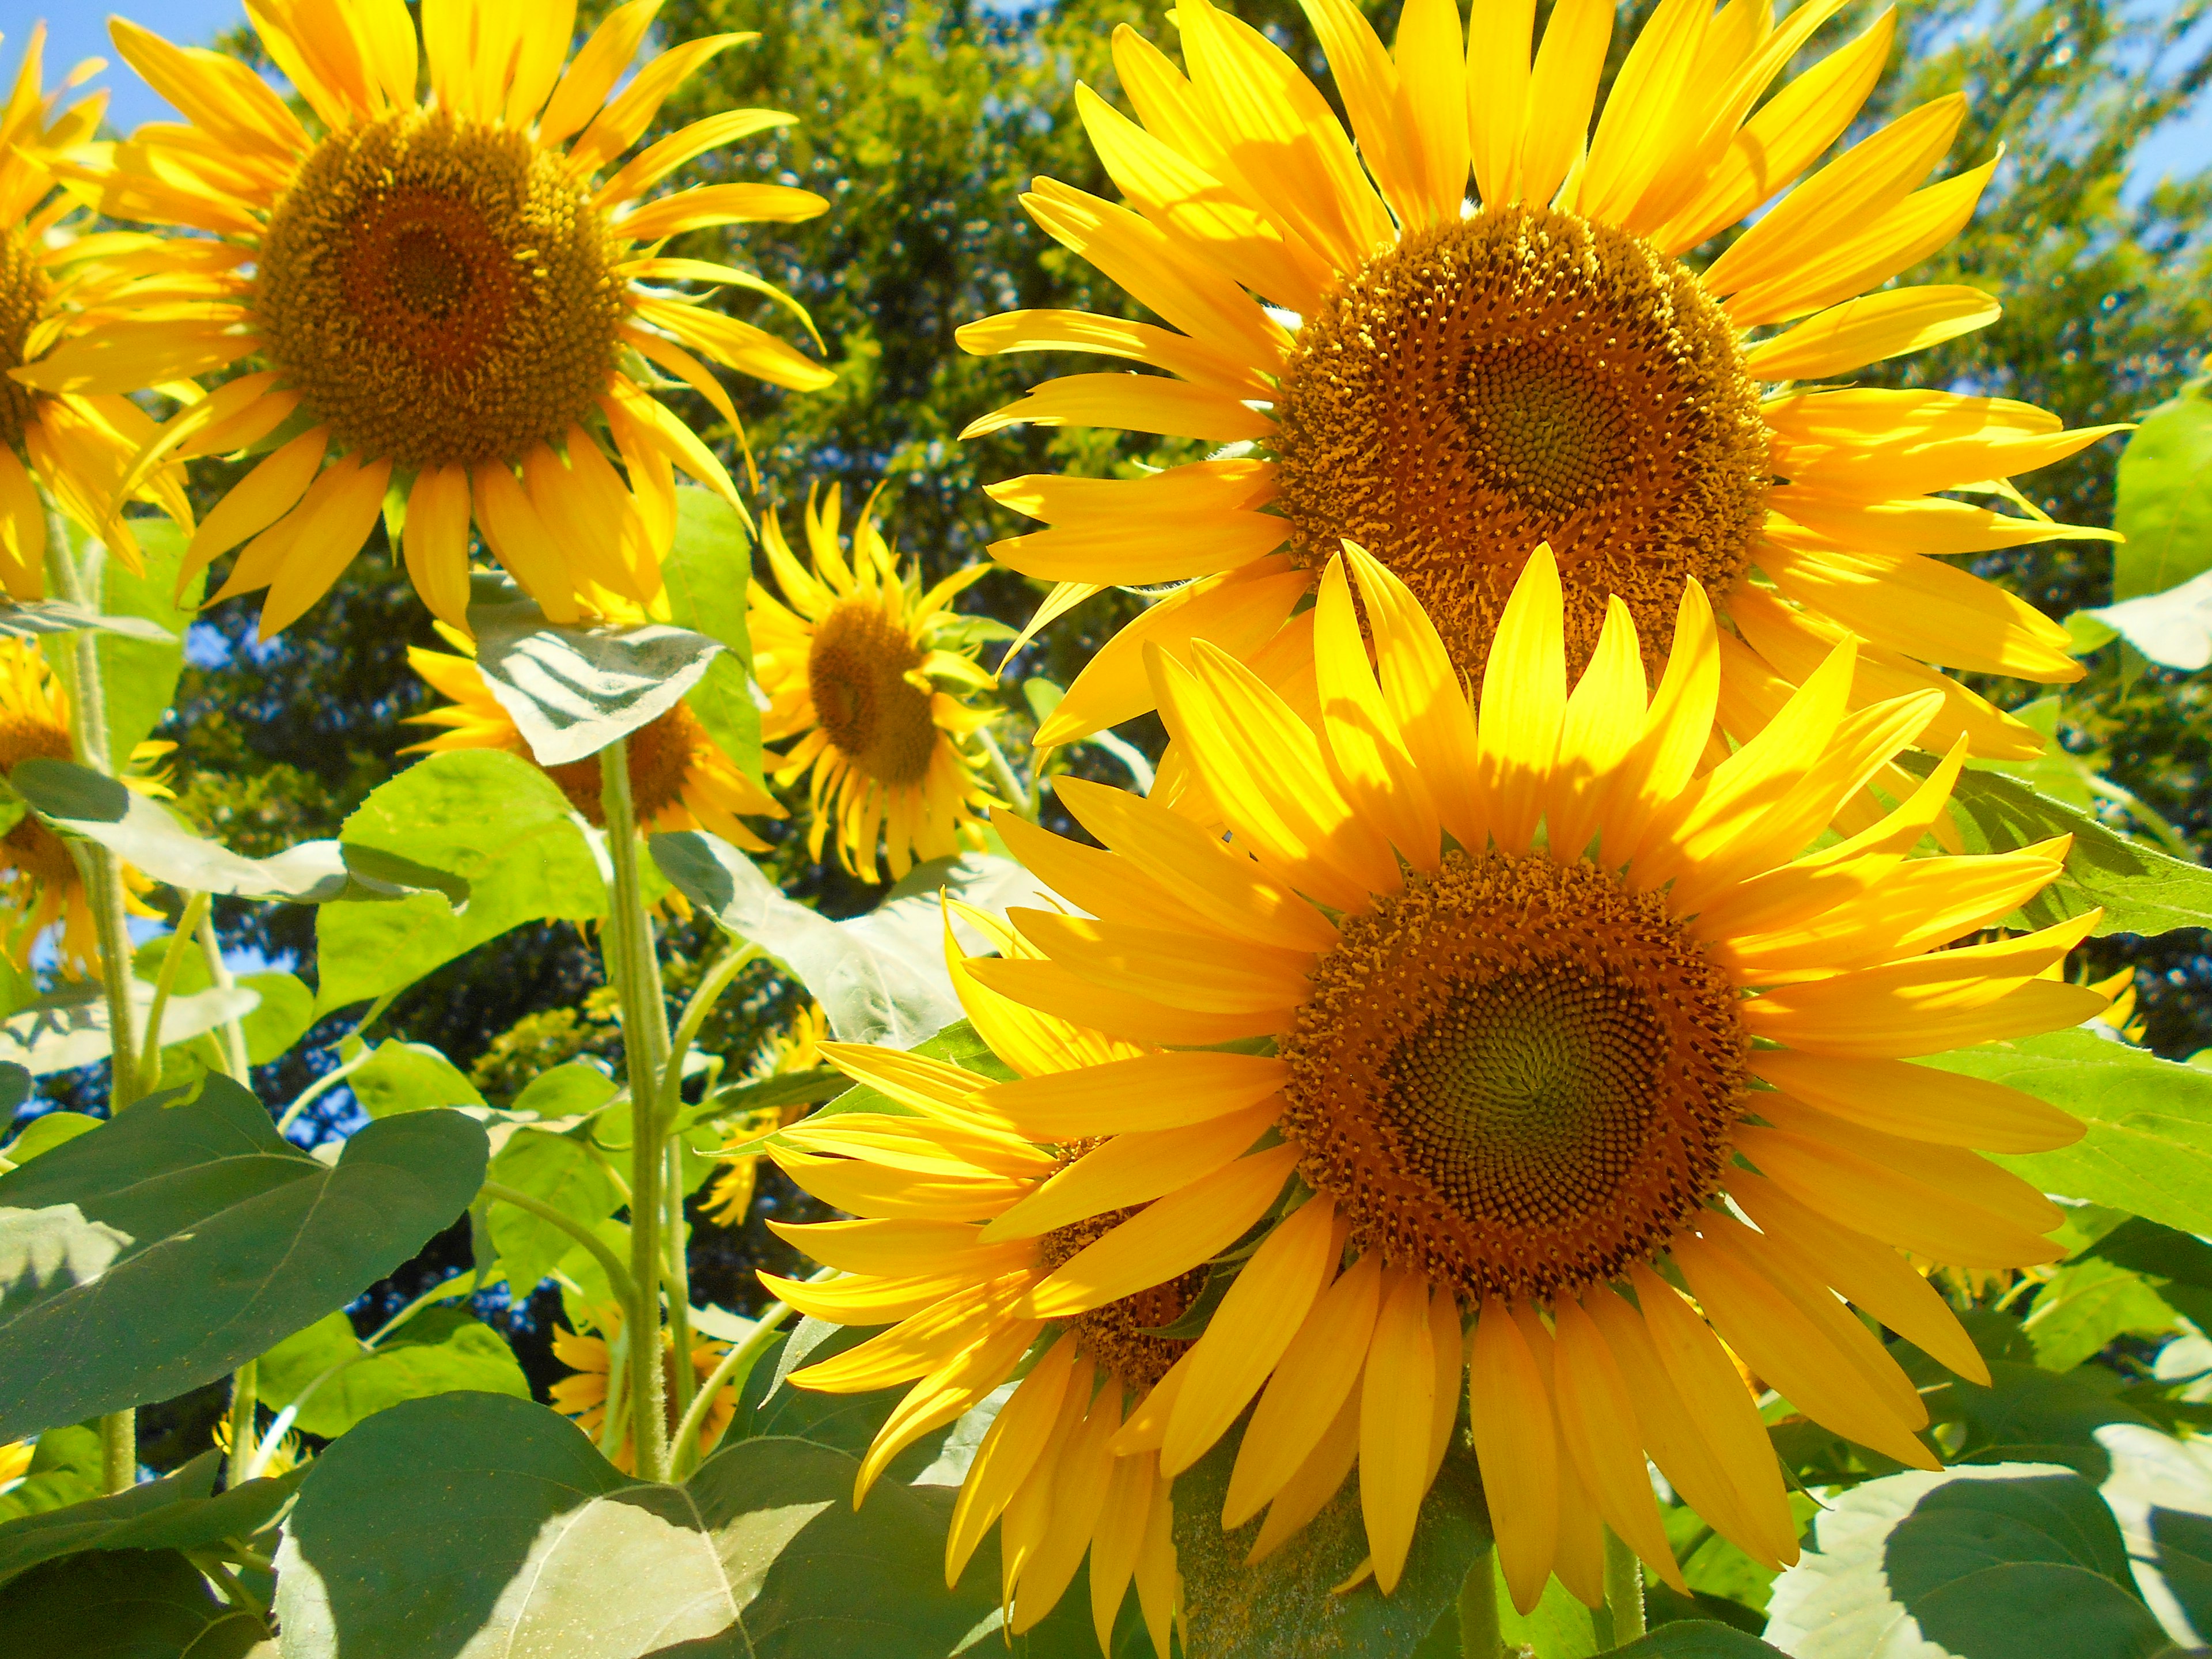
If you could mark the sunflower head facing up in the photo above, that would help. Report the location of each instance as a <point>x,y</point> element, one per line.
<point>77,446</point>
<point>38,880</point>
<point>1587,1065</point>
<point>1459,331</point>
<point>591,1356</point>
<point>458,299</point>
<point>985,1236</point>
<point>680,778</point>
<point>849,661</point>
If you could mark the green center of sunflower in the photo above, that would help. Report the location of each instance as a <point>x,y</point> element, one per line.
<point>1526,376</point>
<point>660,754</point>
<point>1123,1338</point>
<point>439,291</point>
<point>860,673</point>
<point>1516,1075</point>
<point>24,291</point>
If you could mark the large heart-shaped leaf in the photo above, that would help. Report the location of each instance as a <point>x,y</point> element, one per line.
<point>1975,1562</point>
<point>493,819</point>
<point>164,1248</point>
<point>70,1029</point>
<point>180,1512</point>
<point>125,1604</point>
<point>880,978</point>
<point>571,691</point>
<point>469,1525</point>
<point>146,835</point>
<point>2148,1148</point>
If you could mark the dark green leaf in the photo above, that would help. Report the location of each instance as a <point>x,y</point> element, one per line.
<point>571,691</point>
<point>473,1518</point>
<point>179,1511</point>
<point>163,1249</point>
<point>2141,890</point>
<point>2164,506</point>
<point>1696,1638</point>
<point>122,1604</point>
<point>492,818</point>
<point>2148,1144</point>
<point>334,1381</point>
<point>2001,1560</point>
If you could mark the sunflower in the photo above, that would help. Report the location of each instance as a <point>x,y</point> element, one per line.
<point>1571,1045</point>
<point>798,1047</point>
<point>849,666</point>
<point>54,282</point>
<point>16,1463</point>
<point>583,1395</point>
<point>680,779</point>
<point>438,302</point>
<point>39,878</point>
<point>983,1238</point>
<point>1449,384</point>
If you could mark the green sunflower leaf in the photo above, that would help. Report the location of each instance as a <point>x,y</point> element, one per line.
<point>708,571</point>
<point>2165,505</point>
<point>132,1604</point>
<point>166,1247</point>
<point>179,1511</point>
<point>334,1382</point>
<point>68,1028</point>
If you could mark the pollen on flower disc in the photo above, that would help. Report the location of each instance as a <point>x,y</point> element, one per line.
<point>660,754</point>
<point>439,291</point>
<point>24,291</point>
<point>1123,1337</point>
<point>1518,377</point>
<point>1516,1076</point>
<point>858,673</point>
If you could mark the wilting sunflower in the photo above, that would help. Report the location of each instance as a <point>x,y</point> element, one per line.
<point>591,1357</point>
<point>851,670</point>
<point>55,282</point>
<point>440,300</point>
<point>39,881</point>
<point>680,778</point>
<point>981,1235</point>
<point>1571,1044</point>
<point>798,1047</point>
<point>1449,384</point>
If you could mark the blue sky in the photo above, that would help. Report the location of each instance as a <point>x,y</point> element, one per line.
<point>80,31</point>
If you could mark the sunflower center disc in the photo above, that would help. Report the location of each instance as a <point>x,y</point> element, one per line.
<point>24,293</point>
<point>660,754</point>
<point>439,292</point>
<point>31,846</point>
<point>856,673</point>
<point>1519,376</point>
<point>1123,1337</point>
<point>1516,1076</point>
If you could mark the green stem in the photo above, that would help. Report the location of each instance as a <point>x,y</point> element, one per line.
<point>118,1450</point>
<point>678,1270</point>
<point>1624,1591</point>
<point>212,1567</point>
<point>150,1057</point>
<point>321,1086</point>
<point>716,980</point>
<point>459,1284</point>
<point>1023,803</point>
<point>635,966</point>
<point>245,1403</point>
<point>740,1358</point>
<point>233,1041</point>
<point>618,1275</point>
<point>1479,1637</point>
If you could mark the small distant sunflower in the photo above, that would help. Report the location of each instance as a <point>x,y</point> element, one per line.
<point>15,1463</point>
<point>1450,377</point>
<point>590,1357</point>
<point>850,669</point>
<point>984,1234</point>
<point>54,281</point>
<point>441,299</point>
<point>798,1047</point>
<point>39,878</point>
<point>680,779</point>
<point>282,1459</point>
<point>1569,1041</point>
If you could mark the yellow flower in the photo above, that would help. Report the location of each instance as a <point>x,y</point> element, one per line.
<point>584,1396</point>
<point>54,283</point>
<point>15,1463</point>
<point>798,1047</point>
<point>39,878</point>
<point>976,1239</point>
<point>289,1452</point>
<point>1448,385</point>
<point>443,299</point>
<point>1568,1040</point>
<point>680,779</point>
<point>849,670</point>
<point>2122,1019</point>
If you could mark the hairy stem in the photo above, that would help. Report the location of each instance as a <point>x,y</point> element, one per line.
<point>618,1274</point>
<point>232,1041</point>
<point>119,1451</point>
<point>633,967</point>
<point>244,1402</point>
<point>1479,1637</point>
<point>739,1359</point>
<point>1624,1591</point>
<point>150,1057</point>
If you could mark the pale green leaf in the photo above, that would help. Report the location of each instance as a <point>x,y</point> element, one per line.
<point>334,1381</point>
<point>410,1076</point>
<point>708,571</point>
<point>2165,504</point>
<point>557,1170</point>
